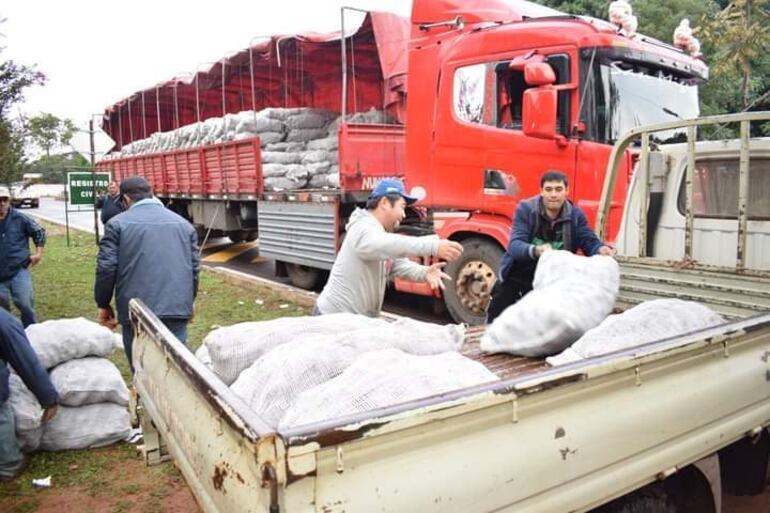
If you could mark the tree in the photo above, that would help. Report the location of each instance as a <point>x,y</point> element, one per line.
<point>54,168</point>
<point>48,131</point>
<point>11,152</point>
<point>740,34</point>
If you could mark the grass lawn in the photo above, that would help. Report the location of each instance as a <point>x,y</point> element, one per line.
<point>114,478</point>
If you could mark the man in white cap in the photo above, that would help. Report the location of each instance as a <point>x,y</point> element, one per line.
<point>371,254</point>
<point>15,259</point>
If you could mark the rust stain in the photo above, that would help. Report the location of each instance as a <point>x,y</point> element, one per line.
<point>765,356</point>
<point>560,433</point>
<point>220,472</point>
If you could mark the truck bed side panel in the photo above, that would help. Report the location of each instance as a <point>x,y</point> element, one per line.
<point>561,440</point>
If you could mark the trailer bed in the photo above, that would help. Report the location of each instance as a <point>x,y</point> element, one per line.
<point>504,366</point>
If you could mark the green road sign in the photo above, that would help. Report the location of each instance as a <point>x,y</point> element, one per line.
<point>81,187</point>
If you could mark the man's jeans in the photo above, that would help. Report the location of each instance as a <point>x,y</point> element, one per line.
<point>19,288</point>
<point>176,326</point>
<point>10,455</point>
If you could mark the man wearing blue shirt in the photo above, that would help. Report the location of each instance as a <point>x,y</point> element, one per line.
<point>15,259</point>
<point>542,223</point>
<point>16,350</point>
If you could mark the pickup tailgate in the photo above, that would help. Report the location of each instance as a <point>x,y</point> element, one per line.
<point>221,447</point>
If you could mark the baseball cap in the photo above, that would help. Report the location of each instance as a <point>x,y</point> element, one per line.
<point>134,184</point>
<point>4,192</point>
<point>391,186</point>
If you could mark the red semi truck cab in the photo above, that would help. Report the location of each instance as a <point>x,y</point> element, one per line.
<point>500,92</point>
<point>488,95</point>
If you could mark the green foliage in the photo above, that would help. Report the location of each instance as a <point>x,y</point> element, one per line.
<point>740,36</point>
<point>595,8</point>
<point>14,78</point>
<point>11,152</point>
<point>48,131</point>
<point>54,168</point>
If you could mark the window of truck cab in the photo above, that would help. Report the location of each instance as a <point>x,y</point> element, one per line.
<point>715,189</point>
<point>491,94</point>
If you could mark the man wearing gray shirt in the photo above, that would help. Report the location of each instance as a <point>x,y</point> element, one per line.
<point>371,254</point>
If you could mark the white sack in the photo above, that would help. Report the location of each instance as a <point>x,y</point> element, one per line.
<point>571,295</point>
<point>27,413</point>
<point>234,348</point>
<point>306,134</point>
<point>89,380</point>
<point>280,157</point>
<point>384,378</point>
<point>61,340</point>
<point>314,118</point>
<point>286,146</point>
<point>272,383</point>
<point>85,427</point>
<point>650,321</point>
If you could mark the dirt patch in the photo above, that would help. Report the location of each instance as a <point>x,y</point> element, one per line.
<point>124,485</point>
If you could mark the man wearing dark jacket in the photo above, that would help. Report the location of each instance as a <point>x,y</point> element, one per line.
<point>15,260</point>
<point>16,350</point>
<point>544,222</point>
<point>110,203</point>
<point>147,252</point>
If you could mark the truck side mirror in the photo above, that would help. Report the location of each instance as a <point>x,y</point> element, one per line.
<point>539,112</point>
<point>539,74</point>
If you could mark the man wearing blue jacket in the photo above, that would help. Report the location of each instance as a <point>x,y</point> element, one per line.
<point>15,260</point>
<point>16,350</point>
<point>151,253</point>
<point>543,222</point>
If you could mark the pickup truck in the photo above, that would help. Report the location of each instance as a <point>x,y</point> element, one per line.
<point>665,426</point>
<point>23,195</point>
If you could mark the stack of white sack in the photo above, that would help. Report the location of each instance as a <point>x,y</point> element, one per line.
<point>647,322</point>
<point>571,294</point>
<point>232,349</point>
<point>93,397</point>
<point>299,145</point>
<point>379,379</point>
<point>271,385</point>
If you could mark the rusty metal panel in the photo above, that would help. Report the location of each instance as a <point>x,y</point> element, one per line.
<point>221,447</point>
<point>644,191</point>
<point>743,194</point>
<point>688,210</point>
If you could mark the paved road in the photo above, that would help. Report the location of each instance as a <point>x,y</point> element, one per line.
<point>53,210</point>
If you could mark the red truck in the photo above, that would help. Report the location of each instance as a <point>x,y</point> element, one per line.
<point>494,92</point>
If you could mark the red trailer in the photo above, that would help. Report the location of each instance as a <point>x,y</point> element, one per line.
<point>498,92</point>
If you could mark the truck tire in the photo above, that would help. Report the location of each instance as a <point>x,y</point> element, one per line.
<point>472,277</point>
<point>302,276</point>
<point>650,499</point>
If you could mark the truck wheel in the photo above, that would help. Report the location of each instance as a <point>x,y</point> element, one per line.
<point>473,274</point>
<point>302,276</point>
<point>650,499</point>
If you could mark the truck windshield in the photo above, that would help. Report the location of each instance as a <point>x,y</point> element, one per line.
<point>627,98</point>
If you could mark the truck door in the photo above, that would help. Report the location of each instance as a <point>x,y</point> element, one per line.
<point>481,151</point>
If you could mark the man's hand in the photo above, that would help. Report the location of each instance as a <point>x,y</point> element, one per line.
<point>539,250</point>
<point>449,250</point>
<point>35,259</point>
<point>49,413</point>
<point>435,276</point>
<point>107,318</point>
<point>607,251</point>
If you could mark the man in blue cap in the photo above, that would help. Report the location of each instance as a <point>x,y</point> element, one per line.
<point>371,254</point>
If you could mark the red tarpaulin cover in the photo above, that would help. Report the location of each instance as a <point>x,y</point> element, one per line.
<point>283,71</point>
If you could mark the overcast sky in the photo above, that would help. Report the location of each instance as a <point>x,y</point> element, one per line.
<point>96,53</point>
